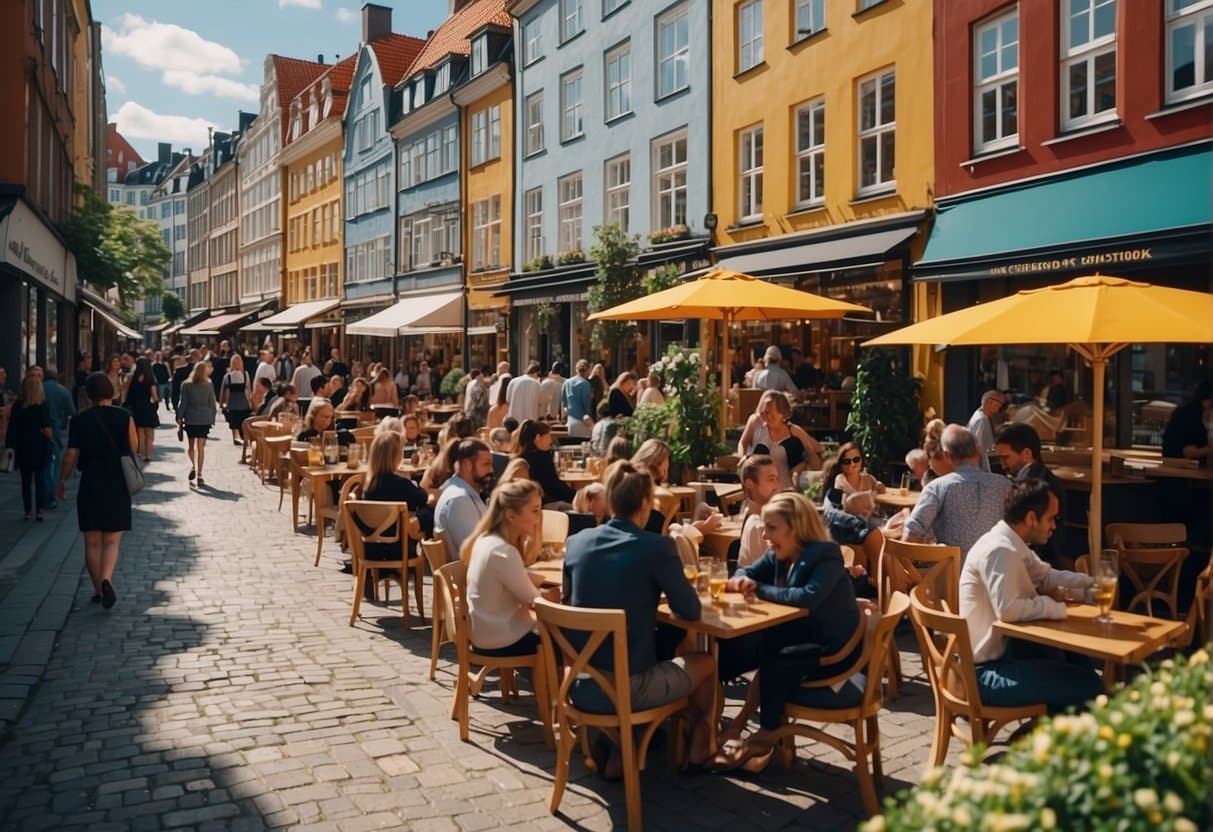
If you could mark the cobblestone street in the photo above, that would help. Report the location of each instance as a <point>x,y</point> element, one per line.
<point>225,690</point>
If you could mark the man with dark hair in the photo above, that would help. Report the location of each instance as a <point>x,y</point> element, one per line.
<point>1018,448</point>
<point>459,507</point>
<point>1003,580</point>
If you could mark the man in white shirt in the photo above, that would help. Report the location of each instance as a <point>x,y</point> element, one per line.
<point>523,394</point>
<point>549,392</point>
<point>459,507</point>
<point>265,369</point>
<point>1003,580</point>
<point>503,370</point>
<point>760,479</point>
<point>992,404</point>
<point>774,376</point>
<point>304,373</point>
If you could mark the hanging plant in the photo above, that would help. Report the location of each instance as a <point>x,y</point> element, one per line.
<point>545,312</point>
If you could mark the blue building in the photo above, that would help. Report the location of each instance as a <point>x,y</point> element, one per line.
<point>368,170</point>
<point>612,103</point>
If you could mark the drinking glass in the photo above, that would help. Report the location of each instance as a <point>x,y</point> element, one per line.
<point>905,483</point>
<point>1106,577</point>
<point>705,570</point>
<point>354,456</point>
<point>690,571</point>
<point>332,450</point>
<point>717,578</point>
<point>315,453</point>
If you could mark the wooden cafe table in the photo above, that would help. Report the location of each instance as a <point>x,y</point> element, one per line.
<point>717,543</point>
<point>893,498</point>
<point>1129,639</point>
<point>578,478</point>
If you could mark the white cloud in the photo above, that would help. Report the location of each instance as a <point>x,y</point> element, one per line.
<point>137,122</point>
<point>345,15</point>
<point>114,84</point>
<point>303,4</point>
<point>167,46</point>
<point>196,83</point>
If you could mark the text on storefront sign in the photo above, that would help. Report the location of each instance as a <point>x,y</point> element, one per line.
<point>1132,255</point>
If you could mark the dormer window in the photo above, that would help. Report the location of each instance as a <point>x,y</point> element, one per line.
<point>480,55</point>
<point>418,92</point>
<point>364,94</point>
<point>442,81</point>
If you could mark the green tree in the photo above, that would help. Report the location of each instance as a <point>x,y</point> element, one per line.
<point>884,417</point>
<point>618,281</point>
<point>662,278</point>
<point>172,307</point>
<point>115,249</point>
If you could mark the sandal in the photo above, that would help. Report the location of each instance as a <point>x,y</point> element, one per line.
<point>750,758</point>
<point>201,481</point>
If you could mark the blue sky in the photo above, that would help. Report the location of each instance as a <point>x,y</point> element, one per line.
<point>174,67</point>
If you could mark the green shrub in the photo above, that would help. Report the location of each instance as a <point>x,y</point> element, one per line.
<point>450,382</point>
<point>1136,761</point>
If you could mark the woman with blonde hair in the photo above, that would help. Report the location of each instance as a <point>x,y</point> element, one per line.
<point>383,390</point>
<point>358,398</point>
<point>516,469</point>
<point>320,417</point>
<point>591,499</point>
<point>382,483</point>
<point>598,385</point>
<point>619,398</point>
<point>653,456</point>
<point>770,431</point>
<point>196,415</point>
<point>803,568</point>
<point>500,592</point>
<point>652,391</point>
<point>234,397</point>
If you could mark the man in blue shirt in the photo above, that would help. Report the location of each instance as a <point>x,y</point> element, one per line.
<point>459,507</point>
<point>576,397</point>
<point>619,565</point>
<point>61,408</point>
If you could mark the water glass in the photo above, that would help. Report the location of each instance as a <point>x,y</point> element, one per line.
<point>905,483</point>
<point>354,455</point>
<point>705,571</point>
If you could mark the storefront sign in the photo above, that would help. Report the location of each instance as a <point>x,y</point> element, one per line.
<point>1084,261</point>
<point>32,248</point>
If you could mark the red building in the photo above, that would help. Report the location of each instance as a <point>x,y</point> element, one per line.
<point>1071,137</point>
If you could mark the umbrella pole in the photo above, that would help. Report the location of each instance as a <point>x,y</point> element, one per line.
<point>724,377</point>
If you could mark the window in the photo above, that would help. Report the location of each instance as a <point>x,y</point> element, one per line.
<point>810,152</point>
<point>570,106</point>
<point>867,4</point>
<point>442,81</point>
<point>179,263</point>
<point>609,6</point>
<point>670,178</point>
<point>166,210</point>
<point>534,123</point>
<point>673,51</point>
<point>569,188</point>
<point>1088,61</point>
<point>480,53</point>
<point>486,134</point>
<point>1189,48</point>
<point>619,82</point>
<point>618,187</point>
<point>179,206</point>
<point>749,168</point>
<point>570,19</point>
<point>534,44</point>
<point>749,35</point>
<point>486,233</point>
<point>877,132</point>
<point>996,90</point>
<point>810,18</point>
<point>534,223</point>
<point>179,232</point>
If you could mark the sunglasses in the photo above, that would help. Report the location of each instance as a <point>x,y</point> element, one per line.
<point>852,460</point>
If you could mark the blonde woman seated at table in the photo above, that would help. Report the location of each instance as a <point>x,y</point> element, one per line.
<point>591,499</point>
<point>652,391</point>
<point>535,446</point>
<point>802,568</point>
<point>501,407</point>
<point>770,431</point>
<point>383,390</point>
<point>500,592</point>
<point>319,418</point>
<point>358,398</point>
<point>654,456</point>
<point>384,484</point>
<point>500,440</point>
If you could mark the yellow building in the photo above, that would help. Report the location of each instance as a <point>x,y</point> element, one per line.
<point>486,117</point>
<point>822,161</point>
<point>314,261</point>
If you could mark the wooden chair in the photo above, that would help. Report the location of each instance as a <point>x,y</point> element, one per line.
<point>364,434</point>
<point>667,506</point>
<point>327,511</point>
<point>259,430</point>
<point>271,453</point>
<point>1151,556</point>
<point>848,554</point>
<point>389,523</point>
<point>947,655</point>
<point>554,530</point>
<point>731,503</point>
<point>247,435</point>
<point>816,702</point>
<point>1197,632</point>
<point>599,627</point>
<point>451,586</point>
<point>899,569</point>
<point>435,555</point>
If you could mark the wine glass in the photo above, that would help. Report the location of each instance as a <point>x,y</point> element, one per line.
<point>1106,577</point>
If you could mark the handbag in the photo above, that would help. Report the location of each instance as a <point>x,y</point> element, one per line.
<point>132,475</point>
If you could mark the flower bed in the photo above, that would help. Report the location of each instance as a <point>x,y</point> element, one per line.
<point>1136,761</point>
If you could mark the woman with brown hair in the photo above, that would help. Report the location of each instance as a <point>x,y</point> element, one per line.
<point>598,385</point>
<point>113,371</point>
<point>770,431</point>
<point>535,446</point>
<point>29,434</point>
<point>501,407</point>
<point>383,390</point>
<point>849,503</point>
<point>384,484</point>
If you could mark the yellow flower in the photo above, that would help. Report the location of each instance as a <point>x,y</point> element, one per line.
<point>1105,771</point>
<point>876,824</point>
<point>1007,823</point>
<point>1048,818</point>
<point>1124,741</point>
<point>1106,732</point>
<point>1155,816</point>
<point>962,817</point>
<point>1184,825</point>
<point>1134,696</point>
<point>1145,798</point>
<point>1101,701</point>
<point>1201,656</point>
<point>1184,718</point>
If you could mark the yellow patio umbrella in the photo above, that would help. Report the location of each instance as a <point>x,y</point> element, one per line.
<point>723,295</point>
<point>1096,316</point>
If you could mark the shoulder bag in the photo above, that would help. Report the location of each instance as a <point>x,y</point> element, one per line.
<point>132,476</point>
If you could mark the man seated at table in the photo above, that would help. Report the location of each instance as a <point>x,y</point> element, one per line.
<point>1018,447</point>
<point>959,507</point>
<point>460,507</point>
<point>1004,580</point>
<point>760,480</point>
<point>619,565</point>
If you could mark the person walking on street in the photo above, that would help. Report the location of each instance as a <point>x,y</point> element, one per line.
<point>161,372</point>
<point>234,397</point>
<point>60,408</point>
<point>142,399</point>
<point>29,435</point>
<point>97,440</point>
<point>196,415</point>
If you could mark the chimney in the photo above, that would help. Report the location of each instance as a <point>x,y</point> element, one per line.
<point>376,22</point>
<point>164,152</point>
<point>320,58</point>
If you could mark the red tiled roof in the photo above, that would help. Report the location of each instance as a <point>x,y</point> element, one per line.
<point>395,54</point>
<point>118,150</point>
<point>339,75</point>
<point>452,36</point>
<point>293,75</point>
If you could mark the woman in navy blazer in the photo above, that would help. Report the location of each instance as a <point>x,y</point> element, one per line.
<point>803,568</point>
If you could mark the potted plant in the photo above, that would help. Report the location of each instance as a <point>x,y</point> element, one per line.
<point>449,387</point>
<point>571,257</point>
<point>694,438</point>
<point>884,418</point>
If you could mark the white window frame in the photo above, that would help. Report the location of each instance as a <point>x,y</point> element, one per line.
<point>749,35</point>
<point>569,195</point>
<point>810,155</point>
<point>572,19</point>
<point>486,233</point>
<point>479,137</point>
<point>676,19</point>
<point>572,112</point>
<point>1200,16</point>
<point>442,79</point>
<point>534,123</point>
<point>533,38</point>
<point>618,88</point>
<point>617,187</point>
<point>669,181</point>
<point>875,132</point>
<point>480,55</point>
<point>808,18</point>
<point>533,205</point>
<point>1002,79</point>
<point>1086,54</point>
<point>749,173</point>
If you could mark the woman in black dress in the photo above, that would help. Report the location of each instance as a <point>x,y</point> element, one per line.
<point>29,435</point>
<point>142,400</point>
<point>234,397</point>
<point>619,398</point>
<point>535,446</point>
<point>96,441</point>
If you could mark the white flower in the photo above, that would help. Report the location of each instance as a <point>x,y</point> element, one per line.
<point>1184,718</point>
<point>1048,818</point>
<point>1173,803</point>
<point>1184,825</point>
<point>1145,798</point>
